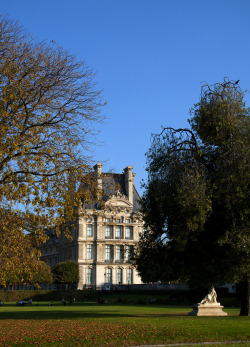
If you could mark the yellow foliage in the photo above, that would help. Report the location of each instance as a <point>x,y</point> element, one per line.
<point>48,107</point>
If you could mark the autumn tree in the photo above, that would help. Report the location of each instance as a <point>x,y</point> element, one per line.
<point>196,200</point>
<point>49,106</point>
<point>19,260</point>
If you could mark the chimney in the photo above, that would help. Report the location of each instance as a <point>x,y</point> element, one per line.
<point>98,172</point>
<point>129,182</point>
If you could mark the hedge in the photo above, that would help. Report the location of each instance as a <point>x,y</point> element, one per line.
<point>45,295</point>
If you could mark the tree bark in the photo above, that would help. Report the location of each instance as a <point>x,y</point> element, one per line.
<point>245,298</point>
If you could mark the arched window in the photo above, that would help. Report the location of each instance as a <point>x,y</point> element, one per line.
<point>119,276</point>
<point>89,276</point>
<point>129,276</point>
<point>108,275</point>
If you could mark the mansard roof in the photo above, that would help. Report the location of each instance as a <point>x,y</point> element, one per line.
<point>111,184</point>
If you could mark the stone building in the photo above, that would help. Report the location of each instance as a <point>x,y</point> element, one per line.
<point>107,232</point>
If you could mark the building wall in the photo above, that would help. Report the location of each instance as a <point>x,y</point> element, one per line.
<point>120,210</point>
<point>103,223</point>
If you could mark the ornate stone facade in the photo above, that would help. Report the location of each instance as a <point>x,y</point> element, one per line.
<point>106,234</point>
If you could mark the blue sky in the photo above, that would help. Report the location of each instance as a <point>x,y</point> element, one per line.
<point>150,57</point>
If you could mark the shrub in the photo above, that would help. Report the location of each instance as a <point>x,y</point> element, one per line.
<point>66,272</point>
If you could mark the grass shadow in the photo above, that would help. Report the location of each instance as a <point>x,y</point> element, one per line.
<point>83,310</point>
<point>90,310</point>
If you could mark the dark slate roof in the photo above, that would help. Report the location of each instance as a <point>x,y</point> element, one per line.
<point>111,182</point>
<point>52,236</point>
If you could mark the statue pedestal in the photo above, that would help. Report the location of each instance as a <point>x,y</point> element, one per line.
<point>207,309</point>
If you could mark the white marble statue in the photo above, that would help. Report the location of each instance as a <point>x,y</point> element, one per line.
<point>210,298</point>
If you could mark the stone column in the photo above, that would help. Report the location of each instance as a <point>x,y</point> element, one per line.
<point>80,251</point>
<point>81,277</point>
<point>80,229</point>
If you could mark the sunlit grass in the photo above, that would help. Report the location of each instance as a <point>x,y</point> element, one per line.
<point>88,324</point>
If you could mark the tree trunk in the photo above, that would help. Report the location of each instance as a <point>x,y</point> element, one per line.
<point>245,298</point>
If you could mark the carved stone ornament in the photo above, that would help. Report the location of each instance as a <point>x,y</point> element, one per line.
<point>119,195</point>
<point>137,216</point>
<point>118,199</point>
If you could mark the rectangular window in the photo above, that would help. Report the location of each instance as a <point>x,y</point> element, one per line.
<point>118,232</point>
<point>108,252</point>
<point>108,231</point>
<point>129,276</point>
<point>89,230</point>
<point>118,252</point>
<point>108,220</point>
<point>129,252</point>
<point>129,232</point>
<point>119,276</point>
<point>118,221</point>
<point>127,220</point>
<point>89,251</point>
<point>89,276</point>
<point>108,276</point>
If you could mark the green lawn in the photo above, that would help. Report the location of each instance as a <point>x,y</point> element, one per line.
<point>88,324</point>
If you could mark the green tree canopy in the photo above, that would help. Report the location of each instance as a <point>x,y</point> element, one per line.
<point>196,200</point>
<point>66,272</point>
